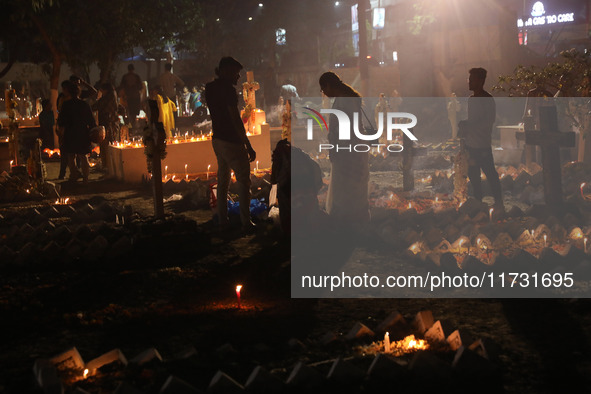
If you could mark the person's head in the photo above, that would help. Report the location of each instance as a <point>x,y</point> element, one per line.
<point>130,68</point>
<point>229,69</point>
<point>70,89</point>
<point>168,66</point>
<point>75,79</point>
<point>107,88</point>
<point>332,86</point>
<point>46,104</point>
<point>195,89</point>
<point>476,79</point>
<point>185,89</point>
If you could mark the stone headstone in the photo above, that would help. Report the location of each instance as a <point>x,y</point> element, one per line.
<point>459,338</point>
<point>174,385</point>
<point>262,381</point>
<point>393,321</point>
<point>469,364</point>
<point>423,321</point>
<point>438,331</point>
<point>426,366</point>
<point>295,344</point>
<point>224,384</point>
<point>345,373</point>
<point>146,356</point>
<point>385,368</point>
<point>68,360</point>
<point>304,377</point>
<point>112,356</point>
<point>359,330</point>
<point>327,338</point>
<point>46,376</point>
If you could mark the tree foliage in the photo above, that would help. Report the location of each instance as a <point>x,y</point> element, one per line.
<point>572,73</point>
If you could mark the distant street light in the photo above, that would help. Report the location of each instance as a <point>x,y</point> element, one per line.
<point>250,18</point>
<point>260,4</point>
<point>336,3</point>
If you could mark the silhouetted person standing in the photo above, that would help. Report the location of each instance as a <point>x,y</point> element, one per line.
<point>132,86</point>
<point>76,119</point>
<point>170,82</point>
<point>230,143</point>
<point>476,131</point>
<point>347,199</point>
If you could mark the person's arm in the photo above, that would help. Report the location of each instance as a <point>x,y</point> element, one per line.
<point>91,90</point>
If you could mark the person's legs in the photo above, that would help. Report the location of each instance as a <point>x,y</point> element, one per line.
<point>223,181</point>
<point>63,163</point>
<point>239,162</point>
<point>488,167</point>
<point>74,173</point>
<point>85,166</point>
<point>474,173</point>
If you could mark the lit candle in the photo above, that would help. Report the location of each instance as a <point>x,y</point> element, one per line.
<point>490,212</point>
<point>257,165</point>
<point>409,205</point>
<point>545,238</point>
<point>582,186</point>
<point>585,244</point>
<point>238,288</point>
<point>165,172</point>
<point>186,174</point>
<point>85,374</point>
<point>461,242</point>
<point>208,167</point>
<point>387,343</point>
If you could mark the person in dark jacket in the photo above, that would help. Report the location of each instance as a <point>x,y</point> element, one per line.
<point>76,120</point>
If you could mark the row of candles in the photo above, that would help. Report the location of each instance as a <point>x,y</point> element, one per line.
<point>173,177</point>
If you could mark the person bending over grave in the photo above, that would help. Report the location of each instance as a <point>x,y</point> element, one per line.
<point>347,200</point>
<point>476,132</point>
<point>230,143</point>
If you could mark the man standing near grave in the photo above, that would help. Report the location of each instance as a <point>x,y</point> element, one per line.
<point>170,82</point>
<point>476,131</point>
<point>131,84</point>
<point>230,143</point>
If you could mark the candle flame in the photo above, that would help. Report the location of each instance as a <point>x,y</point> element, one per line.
<point>85,373</point>
<point>238,288</point>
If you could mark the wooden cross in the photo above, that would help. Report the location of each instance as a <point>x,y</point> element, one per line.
<point>550,140</point>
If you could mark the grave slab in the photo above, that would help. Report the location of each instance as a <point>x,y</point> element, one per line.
<point>385,368</point>
<point>423,321</point>
<point>391,322</point>
<point>359,330</point>
<point>344,373</point>
<point>146,356</point>
<point>174,385</point>
<point>129,163</point>
<point>224,384</point>
<point>262,381</point>
<point>68,360</point>
<point>107,358</point>
<point>304,377</point>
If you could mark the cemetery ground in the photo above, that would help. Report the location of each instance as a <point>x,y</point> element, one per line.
<point>181,300</point>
